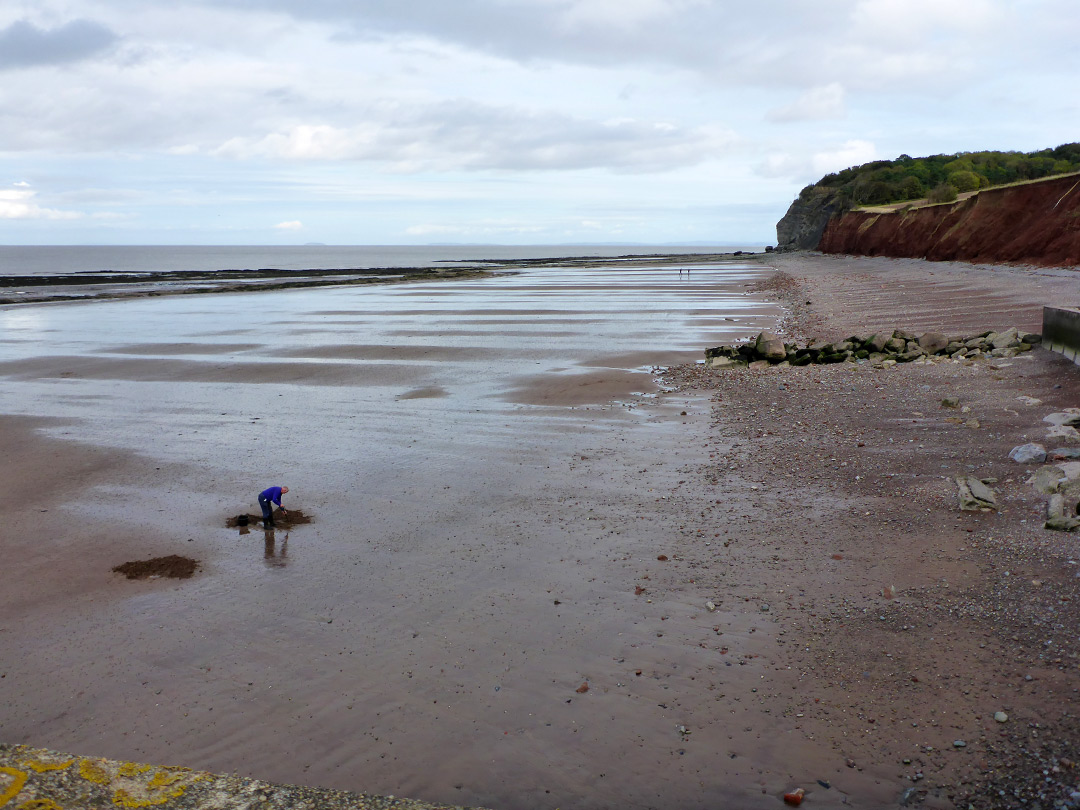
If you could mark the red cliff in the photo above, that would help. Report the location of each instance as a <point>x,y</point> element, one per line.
<point>1035,223</point>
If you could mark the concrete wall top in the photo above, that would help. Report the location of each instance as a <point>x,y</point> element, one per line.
<point>1061,331</point>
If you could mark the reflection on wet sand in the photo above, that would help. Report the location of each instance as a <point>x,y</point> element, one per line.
<point>275,558</point>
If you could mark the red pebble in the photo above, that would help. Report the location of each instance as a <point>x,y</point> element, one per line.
<point>795,797</point>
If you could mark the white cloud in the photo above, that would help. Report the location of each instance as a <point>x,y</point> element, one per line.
<point>477,229</point>
<point>809,167</point>
<point>18,203</point>
<point>623,14</point>
<point>781,44</point>
<point>23,44</point>
<point>899,20</point>
<point>467,136</point>
<point>782,164</point>
<point>291,225</point>
<point>816,104</point>
<point>851,153</point>
<point>430,229</point>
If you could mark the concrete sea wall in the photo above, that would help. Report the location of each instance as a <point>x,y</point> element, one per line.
<point>1061,331</point>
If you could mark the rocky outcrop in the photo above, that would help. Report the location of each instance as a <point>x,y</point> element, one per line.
<point>805,220</point>
<point>1035,223</point>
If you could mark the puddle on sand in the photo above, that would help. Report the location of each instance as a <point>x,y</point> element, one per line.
<point>427,392</point>
<point>245,522</point>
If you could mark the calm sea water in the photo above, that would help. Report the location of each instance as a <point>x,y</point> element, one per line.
<point>57,259</point>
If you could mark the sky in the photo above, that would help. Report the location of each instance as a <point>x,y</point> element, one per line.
<point>353,122</point>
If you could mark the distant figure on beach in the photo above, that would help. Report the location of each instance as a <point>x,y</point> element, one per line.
<point>268,497</point>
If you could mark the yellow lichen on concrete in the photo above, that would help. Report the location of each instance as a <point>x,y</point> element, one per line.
<point>43,765</point>
<point>166,784</point>
<point>170,776</point>
<point>132,769</point>
<point>124,799</point>
<point>40,804</point>
<point>93,771</point>
<point>11,782</point>
<point>131,784</point>
<point>39,779</point>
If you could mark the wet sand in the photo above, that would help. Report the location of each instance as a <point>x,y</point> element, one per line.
<point>423,635</point>
<point>518,516</point>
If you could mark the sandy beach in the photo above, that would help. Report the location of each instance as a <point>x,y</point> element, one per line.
<point>503,598</point>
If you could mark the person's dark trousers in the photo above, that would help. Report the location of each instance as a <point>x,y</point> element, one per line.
<point>267,510</point>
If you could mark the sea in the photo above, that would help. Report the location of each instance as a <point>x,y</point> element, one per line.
<point>38,260</point>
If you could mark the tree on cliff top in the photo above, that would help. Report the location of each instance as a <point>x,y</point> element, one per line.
<point>907,178</point>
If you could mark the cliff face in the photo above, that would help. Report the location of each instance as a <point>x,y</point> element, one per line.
<point>803,224</point>
<point>1037,223</point>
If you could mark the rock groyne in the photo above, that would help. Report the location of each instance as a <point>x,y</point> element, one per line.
<point>881,348</point>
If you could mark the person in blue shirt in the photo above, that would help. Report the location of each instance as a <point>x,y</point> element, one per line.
<point>268,497</point>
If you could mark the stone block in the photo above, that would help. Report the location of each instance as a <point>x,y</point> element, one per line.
<point>932,342</point>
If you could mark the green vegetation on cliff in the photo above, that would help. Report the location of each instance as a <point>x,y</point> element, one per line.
<point>938,177</point>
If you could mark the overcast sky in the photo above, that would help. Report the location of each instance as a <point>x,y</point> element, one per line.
<point>496,121</point>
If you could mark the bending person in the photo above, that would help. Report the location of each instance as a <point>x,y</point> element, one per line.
<point>268,497</point>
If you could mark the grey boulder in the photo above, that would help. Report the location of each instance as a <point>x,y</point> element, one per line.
<point>1029,453</point>
<point>933,342</point>
<point>975,495</point>
<point>1066,418</point>
<point>1062,524</point>
<point>1056,507</point>
<point>876,343</point>
<point>1064,433</point>
<point>1047,480</point>
<point>1003,340</point>
<point>770,346</point>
